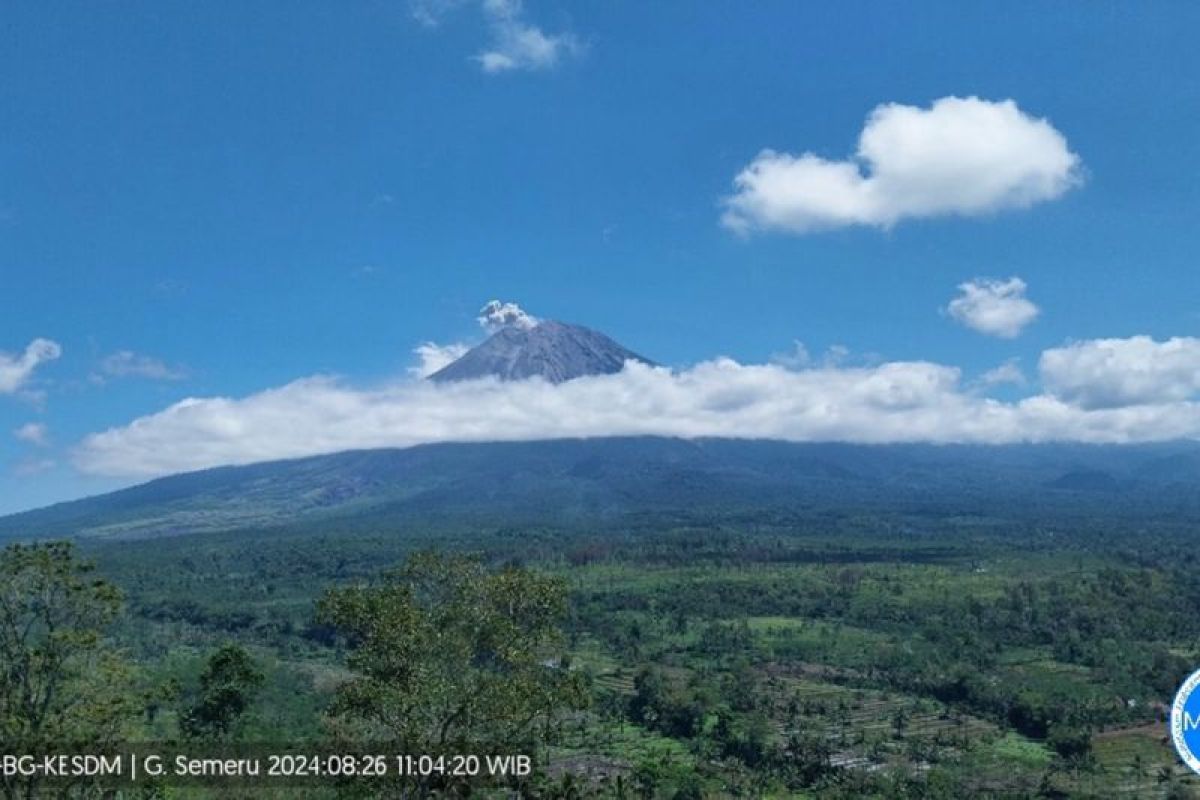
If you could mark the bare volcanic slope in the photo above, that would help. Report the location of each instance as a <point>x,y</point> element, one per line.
<point>552,350</point>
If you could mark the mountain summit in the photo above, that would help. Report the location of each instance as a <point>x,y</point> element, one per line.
<point>553,350</point>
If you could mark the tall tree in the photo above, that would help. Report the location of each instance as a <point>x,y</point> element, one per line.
<point>61,685</point>
<point>452,657</point>
<point>228,685</point>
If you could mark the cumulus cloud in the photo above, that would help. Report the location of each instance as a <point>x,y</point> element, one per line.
<point>433,357</point>
<point>1114,373</point>
<point>496,315</point>
<point>961,156</point>
<point>127,364</point>
<point>32,433</point>
<point>993,307</point>
<point>15,370</point>
<point>888,402</point>
<point>1008,372</point>
<point>519,45</point>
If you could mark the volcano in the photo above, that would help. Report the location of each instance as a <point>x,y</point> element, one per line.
<point>555,351</point>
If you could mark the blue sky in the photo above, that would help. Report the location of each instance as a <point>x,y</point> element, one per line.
<point>215,200</point>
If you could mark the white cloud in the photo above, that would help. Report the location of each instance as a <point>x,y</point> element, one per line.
<point>1114,373</point>
<point>496,315</point>
<point>430,12</point>
<point>32,433</point>
<point>435,356</point>
<point>518,45</point>
<point>889,402</point>
<point>1008,372</point>
<point>15,370</point>
<point>993,307</point>
<point>836,355</point>
<point>797,358</point>
<point>960,156</point>
<point>127,364</point>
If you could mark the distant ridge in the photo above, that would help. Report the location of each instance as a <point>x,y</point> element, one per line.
<point>552,350</point>
<point>599,481</point>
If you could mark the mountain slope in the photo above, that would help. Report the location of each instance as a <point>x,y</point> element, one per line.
<point>552,350</point>
<point>576,481</point>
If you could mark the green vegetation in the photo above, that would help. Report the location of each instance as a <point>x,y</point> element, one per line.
<point>451,659</point>
<point>61,684</point>
<point>828,655</point>
<point>228,686</point>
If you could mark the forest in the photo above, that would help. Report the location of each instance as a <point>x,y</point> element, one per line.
<point>833,654</point>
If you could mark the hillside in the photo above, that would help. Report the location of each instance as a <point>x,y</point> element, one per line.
<point>592,481</point>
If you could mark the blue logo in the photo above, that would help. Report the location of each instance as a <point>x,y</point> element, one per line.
<point>1185,722</point>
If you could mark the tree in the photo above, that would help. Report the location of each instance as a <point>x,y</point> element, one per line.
<point>808,758</point>
<point>1072,742</point>
<point>61,685</point>
<point>228,685</point>
<point>899,721</point>
<point>452,657</point>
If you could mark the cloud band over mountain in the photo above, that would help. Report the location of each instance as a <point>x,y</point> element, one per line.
<point>890,402</point>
